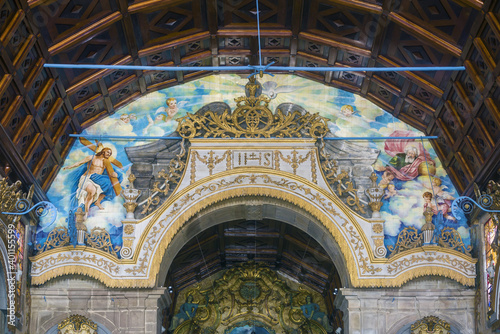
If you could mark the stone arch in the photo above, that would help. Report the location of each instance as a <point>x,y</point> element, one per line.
<point>104,325</point>
<point>323,211</point>
<point>272,208</point>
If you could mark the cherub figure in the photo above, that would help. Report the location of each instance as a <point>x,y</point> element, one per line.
<point>439,191</point>
<point>160,119</point>
<point>164,115</point>
<point>172,109</point>
<point>387,178</point>
<point>390,191</point>
<point>443,198</point>
<point>127,118</point>
<point>444,208</point>
<point>347,110</point>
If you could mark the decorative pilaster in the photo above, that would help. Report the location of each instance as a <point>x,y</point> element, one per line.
<point>433,303</point>
<point>130,194</point>
<point>126,252</point>
<point>375,194</point>
<point>378,238</point>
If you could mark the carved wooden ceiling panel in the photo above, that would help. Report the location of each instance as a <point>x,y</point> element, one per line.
<point>40,108</point>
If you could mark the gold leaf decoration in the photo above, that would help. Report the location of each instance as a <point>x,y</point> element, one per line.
<point>408,238</point>
<point>450,238</point>
<point>430,325</point>
<point>252,118</point>
<point>99,238</point>
<point>77,324</point>
<point>58,237</point>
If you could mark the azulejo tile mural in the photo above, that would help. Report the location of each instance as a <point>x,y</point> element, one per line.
<point>407,170</point>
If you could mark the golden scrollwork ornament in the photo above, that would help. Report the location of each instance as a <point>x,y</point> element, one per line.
<point>250,293</point>
<point>430,325</point>
<point>77,324</point>
<point>252,118</point>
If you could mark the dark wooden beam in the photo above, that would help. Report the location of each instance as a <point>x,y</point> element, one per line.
<point>16,161</point>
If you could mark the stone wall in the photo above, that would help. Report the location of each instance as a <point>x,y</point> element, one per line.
<point>389,311</point>
<point>137,311</point>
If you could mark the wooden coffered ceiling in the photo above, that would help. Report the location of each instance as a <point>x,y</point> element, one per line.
<point>282,247</point>
<point>40,107</point>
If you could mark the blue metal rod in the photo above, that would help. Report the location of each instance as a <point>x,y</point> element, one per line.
<point>149,68</point>
<point>369,69</point>
<point>379,138</point>
<point>325,138</point>
<point>255,68</point>
<point>122,137</point>
<point>258,32</point>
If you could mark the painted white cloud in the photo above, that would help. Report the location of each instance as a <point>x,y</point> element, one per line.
<point>397,125</point>
<point>149,102</point>
<point>408,204</point>
<point>368,109</point>
<point>111,127</point>
<point>108,216</point>
<point>392,224</point>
